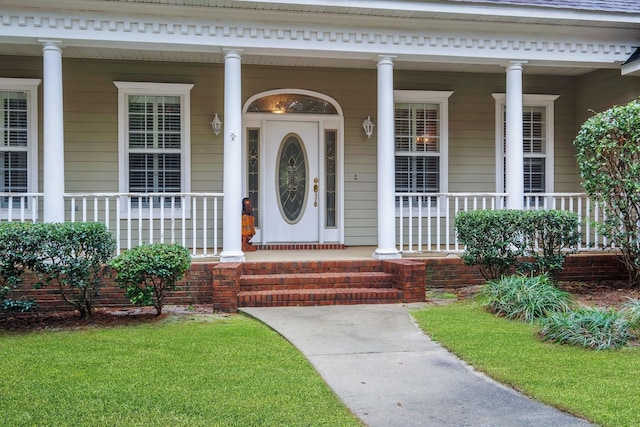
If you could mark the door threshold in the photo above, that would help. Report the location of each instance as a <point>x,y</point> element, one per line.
<point>298,246</point>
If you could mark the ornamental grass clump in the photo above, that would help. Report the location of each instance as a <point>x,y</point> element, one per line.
<point>631,310</point>
<point>146,272</point>
<point>523,297</point>
<point>588,327</point>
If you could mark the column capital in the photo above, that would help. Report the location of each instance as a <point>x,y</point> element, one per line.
<point>51,44</point>
<point>515,65</point>
<point>232,53</point>
<point>385,59</point>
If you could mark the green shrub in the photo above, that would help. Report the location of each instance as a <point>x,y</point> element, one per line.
<point>550,235</point>
<point>19,251</point>
<point>522,297</point>
<point>73,256</point>
<point>587,327</point>
<point>18,305</point>
<point>501,241</point>
<point>19,254</point>
<point>608,156</point>
<point>146,272</point>
<point>492,240</point>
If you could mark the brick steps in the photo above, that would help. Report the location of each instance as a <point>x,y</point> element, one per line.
<point>316,283</point>
<point>300,283</point>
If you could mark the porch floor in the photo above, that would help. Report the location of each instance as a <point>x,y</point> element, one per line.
<point>346,254</point>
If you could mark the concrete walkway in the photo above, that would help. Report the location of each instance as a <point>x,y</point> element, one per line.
<point>390,374</point>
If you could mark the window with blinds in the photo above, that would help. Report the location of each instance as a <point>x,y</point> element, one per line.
<point>417,147</point>
<point>14,141</point>
<point>154,148</point>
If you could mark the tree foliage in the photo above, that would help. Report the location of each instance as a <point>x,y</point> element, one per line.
<point>608,155</point>
<point>147,271</point>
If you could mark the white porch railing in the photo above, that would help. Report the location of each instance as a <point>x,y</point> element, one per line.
<point>425,221</point>
<point>20,206</point>
<point>191,219</point>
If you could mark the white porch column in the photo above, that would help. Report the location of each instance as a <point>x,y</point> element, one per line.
<point>53,132</point>
<point>232,186</point>
<point>514,150</point>
<point>386,166</point>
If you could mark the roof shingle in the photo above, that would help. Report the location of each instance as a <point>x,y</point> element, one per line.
<point>624,6</point>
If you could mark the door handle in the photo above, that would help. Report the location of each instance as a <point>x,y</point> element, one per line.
<point>315,190</point>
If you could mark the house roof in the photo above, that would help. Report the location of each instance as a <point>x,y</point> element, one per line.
<point>625,6</point>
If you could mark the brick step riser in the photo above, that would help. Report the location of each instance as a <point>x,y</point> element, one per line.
<point>317,303</point>
<point>310,298</point>
<point>313,281</point>
<point>311,267</point>
<point>253,287</point>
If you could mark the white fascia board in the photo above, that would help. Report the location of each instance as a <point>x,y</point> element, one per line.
<point>444,41</point>
<point>631,69</point>
<point>514,11</point>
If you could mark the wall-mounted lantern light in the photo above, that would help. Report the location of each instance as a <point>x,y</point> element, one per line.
<point>368,126</point>
<point>216,125</point>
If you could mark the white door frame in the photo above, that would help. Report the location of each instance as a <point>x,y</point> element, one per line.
<point>325,122</point>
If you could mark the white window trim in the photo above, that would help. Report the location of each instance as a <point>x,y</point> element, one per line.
<point>528,100</point>
<point>158,89</point>
<point>30,86</point>
<point>442,99</point>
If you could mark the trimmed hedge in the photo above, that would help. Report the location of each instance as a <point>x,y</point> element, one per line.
<point>533,241</point>
<point>147,271</point>
<point>69,255</point>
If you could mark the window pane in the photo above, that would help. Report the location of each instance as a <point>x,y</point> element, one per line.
<point>533,129</point>
<point>403,126</point>
<point>253,169</point>
<point>154,122</point>
<point>534,181</point>
<point>417,127</point>
<point>291,103</point>
<point>13,169</point>
<point>330,178</point>
<point>417,174</point>
<point>13,127</point>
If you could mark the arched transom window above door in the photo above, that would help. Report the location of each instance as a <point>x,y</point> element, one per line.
<point>282,103</point>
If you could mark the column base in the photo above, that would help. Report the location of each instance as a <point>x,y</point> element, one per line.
<point>232,256</point>
<point>387,254</point>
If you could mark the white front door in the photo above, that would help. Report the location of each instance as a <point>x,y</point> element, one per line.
<point>291,182</point>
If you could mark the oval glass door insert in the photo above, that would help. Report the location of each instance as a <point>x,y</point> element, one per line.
<point>292,178</point>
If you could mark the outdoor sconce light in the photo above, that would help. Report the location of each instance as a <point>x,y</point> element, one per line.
<point>368,126</point>
<point>216,125</point>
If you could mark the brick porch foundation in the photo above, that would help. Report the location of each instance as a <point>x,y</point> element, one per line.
<point>363,281</point>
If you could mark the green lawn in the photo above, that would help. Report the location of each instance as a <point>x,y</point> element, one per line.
<point>602,386</point>
<point>227,372</point>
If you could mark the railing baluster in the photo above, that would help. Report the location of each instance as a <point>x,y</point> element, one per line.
<point>183,205</point>
<point>204,226</point>
<point>400,222</point>
<point>173,220</point>
<point>194,222</point>
<point>215,225</point>
<point>420,202</point>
